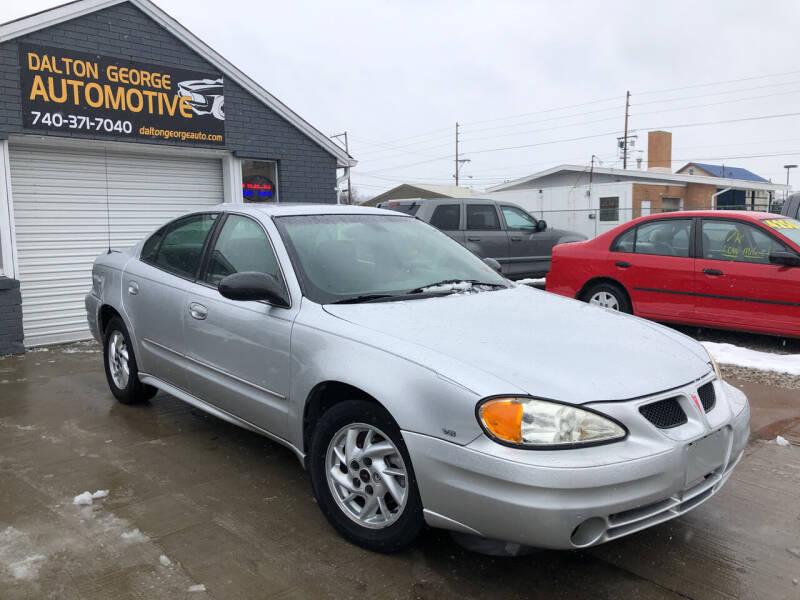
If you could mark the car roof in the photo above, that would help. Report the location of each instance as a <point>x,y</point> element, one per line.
<point>471,199</point>
<point>283,209</point>
<point>747,215</point>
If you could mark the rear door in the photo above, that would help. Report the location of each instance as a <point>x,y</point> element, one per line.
<point>484,234</point>
<point>654,262</point>
<point>447,217</point>
<point>737,285</point>
<point>153,294</point>
<point>529,249</point>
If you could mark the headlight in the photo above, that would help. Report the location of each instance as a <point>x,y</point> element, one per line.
<point>714,364</point>
<point>540,423</point>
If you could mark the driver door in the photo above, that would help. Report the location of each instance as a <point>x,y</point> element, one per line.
<point>529,249</point>
<point>238,352</point>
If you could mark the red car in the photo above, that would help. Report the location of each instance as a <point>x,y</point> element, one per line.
<point>730,270</point>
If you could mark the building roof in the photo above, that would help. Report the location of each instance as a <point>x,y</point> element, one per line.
<point>729,172</point>
<point>78,8</point>
<point>420,190</point>
<point>636,174</point>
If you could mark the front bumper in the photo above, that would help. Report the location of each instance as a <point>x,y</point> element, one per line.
<point>558,499</point>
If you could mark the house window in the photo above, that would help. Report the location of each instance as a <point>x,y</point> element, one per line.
<point>258,181</point>
<point>691,170</point>
<point>671,204</point>
<point>609,208</point>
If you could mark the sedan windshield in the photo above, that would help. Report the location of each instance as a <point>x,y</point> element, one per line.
<point>787,227</point>
<point>369,257</point>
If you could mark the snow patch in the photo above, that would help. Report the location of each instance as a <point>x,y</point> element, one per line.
<point>461,286</point>
<point>782,441</point>
<point>27,568</point>
<point>86,498</point>
<point>164,560</point>
<point>730,354</point>
<point>134,535</point>
<point>198,587</point>
<point>533,281</point>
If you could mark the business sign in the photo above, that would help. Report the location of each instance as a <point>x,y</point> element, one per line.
<point>75,92</point>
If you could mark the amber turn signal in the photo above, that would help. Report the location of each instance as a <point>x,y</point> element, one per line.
<point>503,417</point>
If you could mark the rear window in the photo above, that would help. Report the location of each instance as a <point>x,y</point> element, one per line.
<point>787,227</point>
<point>409,208</point>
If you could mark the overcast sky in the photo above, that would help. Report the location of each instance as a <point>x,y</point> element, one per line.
<point>398,75</point>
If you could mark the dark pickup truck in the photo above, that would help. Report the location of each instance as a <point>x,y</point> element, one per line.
<point>791,208</point>
<point>520,242</point>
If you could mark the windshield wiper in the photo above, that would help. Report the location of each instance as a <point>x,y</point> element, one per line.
<point>364,298</point>
<point>474,282</point>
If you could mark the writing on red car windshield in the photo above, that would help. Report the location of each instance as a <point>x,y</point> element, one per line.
<point>782,224</point>
<point>733,248</point>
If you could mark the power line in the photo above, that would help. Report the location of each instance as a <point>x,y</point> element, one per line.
<point>697,85</point>
<point>539,112</point>
<point>652,112</point>
<point>750,89</point>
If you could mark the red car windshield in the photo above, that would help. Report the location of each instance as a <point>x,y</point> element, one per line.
<point>787,227</point>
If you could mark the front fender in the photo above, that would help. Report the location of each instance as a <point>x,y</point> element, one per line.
<point>418,398</point>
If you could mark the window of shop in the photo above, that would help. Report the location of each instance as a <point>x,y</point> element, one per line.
<point>609,208</point>
<point>671,204</point>
<point>259,179</point>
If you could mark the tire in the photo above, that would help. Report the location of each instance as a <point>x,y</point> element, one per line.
<point>388,525</point>
<point>609,295</point>
<point>122,373</point>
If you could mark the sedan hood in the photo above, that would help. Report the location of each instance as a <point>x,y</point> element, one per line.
<point>545,345</point>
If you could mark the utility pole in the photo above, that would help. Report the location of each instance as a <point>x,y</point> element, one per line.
<point>456,153</point>
<point>625,139</point>
<point>459,161</point>
<point>346,149</point>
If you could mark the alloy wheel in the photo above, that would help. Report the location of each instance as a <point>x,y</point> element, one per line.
<point>366,475</point>
<point>118,360</point>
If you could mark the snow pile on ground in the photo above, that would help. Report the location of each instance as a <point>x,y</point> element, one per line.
<point>27,568</point>
<point>782,441</point>
<point>86,498</point>
<point>535,281</point>
<point>728,354</point>
<point>134,535</point>
<point>164,560</point>
<point>198,587</point>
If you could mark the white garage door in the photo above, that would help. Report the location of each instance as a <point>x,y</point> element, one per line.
<point>62,223</point>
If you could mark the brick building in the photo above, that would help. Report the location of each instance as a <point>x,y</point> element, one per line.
<point>115,118</point>
<point>593,199</point>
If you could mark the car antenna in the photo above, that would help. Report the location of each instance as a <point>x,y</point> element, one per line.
<point>108,202</point>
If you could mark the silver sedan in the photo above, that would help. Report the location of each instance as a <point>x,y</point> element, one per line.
<point>414,382</point>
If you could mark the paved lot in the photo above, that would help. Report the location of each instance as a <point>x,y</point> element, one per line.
<point>234,512</point>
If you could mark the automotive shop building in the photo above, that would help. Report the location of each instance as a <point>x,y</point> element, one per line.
<point>114,118</point>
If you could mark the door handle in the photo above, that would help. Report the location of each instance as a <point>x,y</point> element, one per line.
<point>198,311</point>
<point>473,239</point>
<point>516,239</point>
<point>714,272</point>
<point>133,288</point>
<point>622,264</point>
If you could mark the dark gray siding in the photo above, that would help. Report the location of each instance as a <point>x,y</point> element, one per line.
<point>306,172</point>
<point>10,317</point>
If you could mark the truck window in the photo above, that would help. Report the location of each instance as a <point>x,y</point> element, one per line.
<point>446,217</point>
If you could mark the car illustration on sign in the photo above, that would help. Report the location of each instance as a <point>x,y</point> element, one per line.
<point>206,96</point>
<point>414,382</point>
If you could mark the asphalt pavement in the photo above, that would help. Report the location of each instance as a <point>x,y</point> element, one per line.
<point>194,501</point>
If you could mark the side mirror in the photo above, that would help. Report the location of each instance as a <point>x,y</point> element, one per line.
<point>493,264</point>
<point>787,259</point>
<point>250,285</point>
<point>541,225</point>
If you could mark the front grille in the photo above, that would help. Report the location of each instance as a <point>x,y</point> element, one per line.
<point>664,414</point>
<point>707,396</point>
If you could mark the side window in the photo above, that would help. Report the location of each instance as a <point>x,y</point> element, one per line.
<point>241,245</point>
<point>736,241</point>
<point>150,247</point>
<point>625,242</point>
<point>517,219</point>
<point>482,216</point>
<point>668,237</point>
<point>182,244</point>
<point>446,217</point>
<point>609,209</point>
